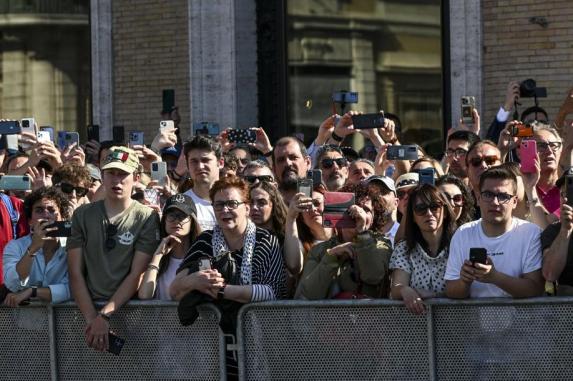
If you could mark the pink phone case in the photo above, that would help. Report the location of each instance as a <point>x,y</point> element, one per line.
<point>527,154</point>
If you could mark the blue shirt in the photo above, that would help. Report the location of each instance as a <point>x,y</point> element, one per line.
<point>54,274</point>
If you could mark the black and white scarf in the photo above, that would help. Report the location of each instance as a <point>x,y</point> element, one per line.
<point>220,247</point>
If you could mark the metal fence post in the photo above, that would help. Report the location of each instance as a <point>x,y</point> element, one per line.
<point>431,345</point>
<point>52,341</point>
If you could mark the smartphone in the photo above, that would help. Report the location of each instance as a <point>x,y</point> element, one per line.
<point>135,138</point>
<point>12,143</point>
<point>15,182</point>
<point>168,100</point>
<point>316,176</point>
<point>406,152</point>
<point>368,121</point>
<point>304,186</point>
<point>427,176</point>
<point>206,128</point>
<point>159,172</point>
<point>10,127</point>
<point>204,264</point>
<point>28,125</point>
<point>93,132</point>
<point>468,106</point>
<point>527,154</point>
<point>569,185</point>
<point>43,136</point>
<point>118,134</point>
<point>522,130</point>
<point>241,136</point>
<point>345,97</point>
<point>50,130</point>
<point>115,344</point>
<point>166,124</point>
<point>478,255</point>
<point>72,137</point>
<point>64,229</point>
<point>151,196</point>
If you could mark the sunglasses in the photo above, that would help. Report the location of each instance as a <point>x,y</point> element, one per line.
<point>110,232</point>
<point>329,163</point>
<point>421,209</point>
<point>457,199</point>
<point>488,160</point>
<point>176,216</point>
<point>230,204</point>
<point>69,188</point>
<point>254,179</point>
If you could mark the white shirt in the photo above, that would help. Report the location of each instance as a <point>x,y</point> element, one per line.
<point>166,278</point>
<point>514,253</point>
<point>391,234</point>
<point>205,212</point>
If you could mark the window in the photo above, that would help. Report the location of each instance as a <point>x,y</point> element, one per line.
<point>390,52</point>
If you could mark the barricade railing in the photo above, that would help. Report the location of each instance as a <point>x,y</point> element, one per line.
<point>42,342</point>
<point>486,339</point>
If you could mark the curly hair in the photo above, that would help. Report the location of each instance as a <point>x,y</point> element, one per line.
<point>231,161</point>
<point>360,191</point>
<point>73,174</point>
<point>230,182</point>
<point>468,208</point>
<point>279,214</point>
<point>49,193</point>
<point>428,193</point>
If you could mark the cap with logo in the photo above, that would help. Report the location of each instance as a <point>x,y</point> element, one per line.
<point>386,181</point>
<point>407,180</point>
<point>181,202</point>
<point>122,158</point>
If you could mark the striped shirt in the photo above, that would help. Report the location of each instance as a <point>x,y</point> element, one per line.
<point>267,267</point>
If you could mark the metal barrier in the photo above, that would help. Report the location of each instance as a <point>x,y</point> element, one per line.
<point>47,342</point>
<point>528,339</point>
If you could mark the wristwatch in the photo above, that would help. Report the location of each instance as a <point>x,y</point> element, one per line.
<point>336,137</point>
<point>221,293</point>
<point>103,316</point>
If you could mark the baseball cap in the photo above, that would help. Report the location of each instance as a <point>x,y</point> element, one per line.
<point>122,158</point>
<point>94,172</point>
<point>174,151</point>
<point>388,182</point>
<point>182,202</point>
<point>407,180</point>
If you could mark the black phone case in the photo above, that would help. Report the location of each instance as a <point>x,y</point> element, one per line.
<point>569,185</point>
<point>478,255</point>
<point>115,344</point>
<point>368,121</point>
<point>93,132</point>
<point>64,229</point>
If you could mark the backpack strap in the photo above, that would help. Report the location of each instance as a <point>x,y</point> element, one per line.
<point>14,215</point>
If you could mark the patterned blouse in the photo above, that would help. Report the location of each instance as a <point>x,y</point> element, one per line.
<point>426,273</point>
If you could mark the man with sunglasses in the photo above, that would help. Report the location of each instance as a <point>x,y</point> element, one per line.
<point>256,171</point>
<point>512,266</point>
<point>74,181</point>
<point>111,244</point>
<point>334,167</point>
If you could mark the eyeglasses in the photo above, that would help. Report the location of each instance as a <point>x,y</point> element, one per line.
<point>254,179</point>
<point>502,198</point>
<point>421,209</point>
<point>230,204</point>
<point>457,199</point>
<point>176,217</point>
<point>110,232</point>
<point>329,163</point>
<point>488,160</point>
<point>458,152</point>
<point>544,146</point>
<point>69,188</point>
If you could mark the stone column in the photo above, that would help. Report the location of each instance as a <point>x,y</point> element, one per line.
<point>465,56</point>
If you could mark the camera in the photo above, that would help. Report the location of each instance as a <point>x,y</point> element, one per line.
<point>529,89</point>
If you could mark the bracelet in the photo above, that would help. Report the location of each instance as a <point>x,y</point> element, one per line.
<point>336,137</point>
<point>152,267</point>
<point>268,154</point>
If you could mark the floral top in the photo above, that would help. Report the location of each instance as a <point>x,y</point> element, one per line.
<point>426,273</point>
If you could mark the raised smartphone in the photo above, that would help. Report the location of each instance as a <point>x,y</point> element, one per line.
<point>15,182</point>
<point>305,186</point>
<point>405,152</point>
<point>368,121</point>
<point>159,172</point>
<point>468,106</point>
<point>427,176</point>
<point>527,154</point>
<point>135,138</point>
<point>63,229</point>
<point>10,127</point>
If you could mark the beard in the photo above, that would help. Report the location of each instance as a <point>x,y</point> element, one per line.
<point>289,180</point>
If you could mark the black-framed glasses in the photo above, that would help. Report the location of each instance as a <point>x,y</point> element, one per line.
<point>544,146</point>
<point>329,163</point>
<point>254,179</point>
<point>456,199</point>
<point>230,204</point>
<point>175,216</point>
<point>488,160</point>
<point>421,209</point>
<point>458,152</point>
<point>69,188</point>
<point>110,233</point>
<point>502,197</point>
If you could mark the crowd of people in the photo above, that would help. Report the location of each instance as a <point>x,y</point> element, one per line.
<point>232,224</point>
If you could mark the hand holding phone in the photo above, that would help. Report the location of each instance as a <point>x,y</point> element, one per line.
<point>478,255</point>
<point>305,186</point>
<point>241,136</point>
<point>115,344</point>
<point>528,154</point>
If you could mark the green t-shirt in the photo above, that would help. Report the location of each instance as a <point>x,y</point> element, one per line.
<point>104,270</point>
